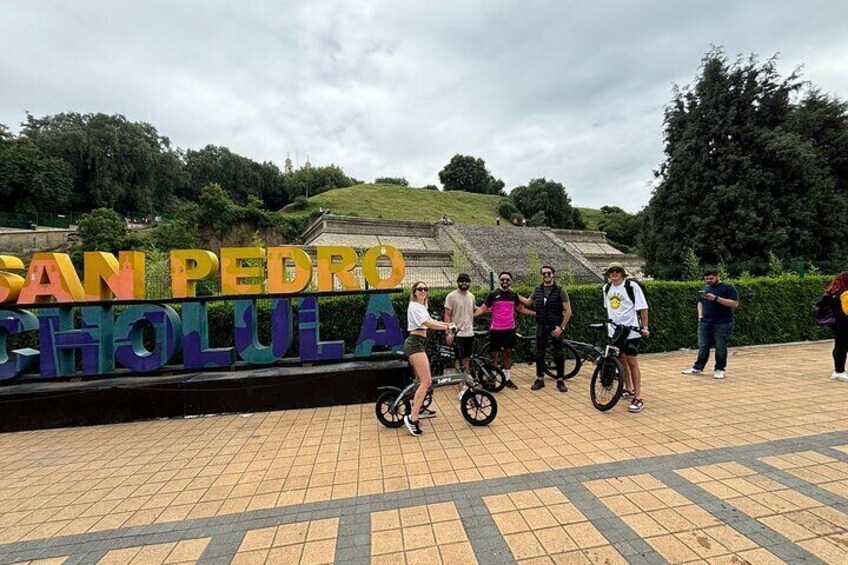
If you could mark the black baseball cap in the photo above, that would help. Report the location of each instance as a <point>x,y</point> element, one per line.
<point>463,277</point>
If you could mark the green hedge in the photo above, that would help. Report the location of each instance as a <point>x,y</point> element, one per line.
<point>772,310</point>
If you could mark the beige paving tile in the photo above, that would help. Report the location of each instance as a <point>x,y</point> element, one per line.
<point>429,533</point>
<point>183,552</point>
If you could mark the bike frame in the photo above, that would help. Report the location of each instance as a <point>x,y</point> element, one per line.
<point>445,380</point>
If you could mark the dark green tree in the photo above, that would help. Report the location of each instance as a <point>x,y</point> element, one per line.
<point>103,230</point>
<point>550,197</point>
<point>217,209</point>
<point>469,174</point>
<point>30,182</point>
<point>116,163</point>
<point>315,180</point>
<point>743,175</point>
<point>399,181</point>
<point>622,228</point>
<point>239,176</point>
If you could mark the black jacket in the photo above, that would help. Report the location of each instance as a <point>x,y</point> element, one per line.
<point>549,312</point>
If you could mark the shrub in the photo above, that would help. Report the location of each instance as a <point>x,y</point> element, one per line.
<point>772,310</point>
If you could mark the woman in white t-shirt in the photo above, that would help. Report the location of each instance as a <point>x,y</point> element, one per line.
<point>418,320</point>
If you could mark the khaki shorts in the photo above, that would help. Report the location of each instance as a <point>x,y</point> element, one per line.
<point>414,344</point>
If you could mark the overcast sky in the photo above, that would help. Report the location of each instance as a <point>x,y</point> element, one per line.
<point>558,89</point>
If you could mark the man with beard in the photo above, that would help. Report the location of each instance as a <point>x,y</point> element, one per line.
<point>503,303</point>
<point>459,310</point>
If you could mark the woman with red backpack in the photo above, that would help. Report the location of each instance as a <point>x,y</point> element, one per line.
<point>838,289</point>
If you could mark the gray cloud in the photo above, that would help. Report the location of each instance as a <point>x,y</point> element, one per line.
<point>561,90</point>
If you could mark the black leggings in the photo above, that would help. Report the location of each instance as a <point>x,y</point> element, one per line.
<point>840,347</point>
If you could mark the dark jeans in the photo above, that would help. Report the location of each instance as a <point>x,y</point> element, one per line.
<point>543,335</point>
<point>712,335</point>
<point>840,347</point>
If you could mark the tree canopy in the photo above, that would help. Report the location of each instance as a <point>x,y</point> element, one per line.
<point>754,163</point>
<point>550,198</point>
<point>469,174</point>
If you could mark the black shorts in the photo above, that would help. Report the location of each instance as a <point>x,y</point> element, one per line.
<point>631,347</point>
<point>466,343</point>
<point>501,339</point>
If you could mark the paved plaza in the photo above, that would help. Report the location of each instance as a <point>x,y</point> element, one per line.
<point>751,469</point>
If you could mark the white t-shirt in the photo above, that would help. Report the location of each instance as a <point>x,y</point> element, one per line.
<point>462,312</point>
<point>416,315</point>
<point>621,309</point>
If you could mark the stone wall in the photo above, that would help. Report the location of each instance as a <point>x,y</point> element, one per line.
<point>25,242</point>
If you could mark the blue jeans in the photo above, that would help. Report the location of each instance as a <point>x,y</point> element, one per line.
<point>712,335</point>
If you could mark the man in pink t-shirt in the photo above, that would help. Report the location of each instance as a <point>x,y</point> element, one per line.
<point>503,303</point>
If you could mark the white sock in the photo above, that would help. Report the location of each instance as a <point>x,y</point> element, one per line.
<point>507,375</point>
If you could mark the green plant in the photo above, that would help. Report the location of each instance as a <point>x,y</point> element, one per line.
<point>775,265</point>
<point>157,274</point>
<point>692,269</point>
<point>533,277</point>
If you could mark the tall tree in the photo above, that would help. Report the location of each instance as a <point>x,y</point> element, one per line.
<point>469,174</point>
<point>239,176</point>
<point>743,175</point>
<point>31,182</point>
<point>116,163</point>
<point>622,228</point>
<point>549,197</point>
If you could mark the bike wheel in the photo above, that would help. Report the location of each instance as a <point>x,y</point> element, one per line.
<point>478,407</point>
<point>607,384</point>
<point>388,417</point>
<point>491,378</point>
<point>573,361</point>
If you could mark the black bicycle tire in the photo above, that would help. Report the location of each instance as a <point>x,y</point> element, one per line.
<point>595,375</point>
<point>499,379</point>
<point>568,349</point>
<point>389,397</point>
<point>469,397</point>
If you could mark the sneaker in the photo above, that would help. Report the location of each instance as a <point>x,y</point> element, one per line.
<point>413,427</point>
<point>691,371</point>
<point>561,386</point>
<point>843,376</point>
<point>719,374</point>
<point>426,413</point>
<point>637,405</point>
<point>510,384</point>
<point>537,384</point>
<point>461,392</point>
<point>628,393</point>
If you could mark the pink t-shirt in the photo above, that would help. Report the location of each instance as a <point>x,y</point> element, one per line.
<point>502,304</point>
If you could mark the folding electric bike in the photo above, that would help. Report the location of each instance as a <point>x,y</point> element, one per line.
<point>477,405</point>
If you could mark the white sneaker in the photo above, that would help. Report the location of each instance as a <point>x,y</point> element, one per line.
<point>718,374</point>
<point>691,371</point>
<point>461,392</point>
<point>843,376</point>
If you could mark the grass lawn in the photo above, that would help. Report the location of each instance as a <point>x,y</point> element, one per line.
<point>393,202</point>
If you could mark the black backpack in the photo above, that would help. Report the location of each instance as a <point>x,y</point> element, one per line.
<point>628,287</point>
<point>824,310</point>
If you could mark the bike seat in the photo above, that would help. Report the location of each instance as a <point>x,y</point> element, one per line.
<point>599,326</point>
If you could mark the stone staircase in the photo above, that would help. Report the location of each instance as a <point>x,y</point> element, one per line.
<point>508,248</point>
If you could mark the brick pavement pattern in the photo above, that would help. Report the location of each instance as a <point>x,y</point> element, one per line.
<point>750,469</point>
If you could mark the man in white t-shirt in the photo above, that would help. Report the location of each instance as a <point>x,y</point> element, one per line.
<point>626,305</point>
<point>459,309</point>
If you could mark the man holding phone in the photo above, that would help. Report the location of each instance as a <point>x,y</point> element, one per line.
<point>716,303</point>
